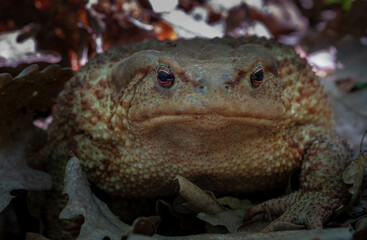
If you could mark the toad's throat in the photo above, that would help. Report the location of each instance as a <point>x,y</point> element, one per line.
<point>179,135</point>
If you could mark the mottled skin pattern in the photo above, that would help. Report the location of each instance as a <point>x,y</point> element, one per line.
<point>212,126</point>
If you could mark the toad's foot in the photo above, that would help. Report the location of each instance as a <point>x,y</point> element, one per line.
<point>321,192</point>
<point>311,209</point>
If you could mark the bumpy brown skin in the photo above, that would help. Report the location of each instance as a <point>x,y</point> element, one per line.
<point>212,126</point>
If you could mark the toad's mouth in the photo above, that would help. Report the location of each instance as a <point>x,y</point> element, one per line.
<point>206,119</point>
<point>208,112</point>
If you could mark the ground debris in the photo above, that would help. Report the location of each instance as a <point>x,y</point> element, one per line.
<point>15,174</point>
<point>99,221</point>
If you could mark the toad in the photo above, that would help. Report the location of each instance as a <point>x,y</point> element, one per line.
<point>231,115</point>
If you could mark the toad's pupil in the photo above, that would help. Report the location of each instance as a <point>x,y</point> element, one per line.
<point>258,76</point>
<point>165,78</point>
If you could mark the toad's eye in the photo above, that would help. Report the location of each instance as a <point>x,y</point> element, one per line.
<point>165,77</point>
<point>257,77</point>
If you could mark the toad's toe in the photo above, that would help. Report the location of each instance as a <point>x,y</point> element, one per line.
<point>294,210</point>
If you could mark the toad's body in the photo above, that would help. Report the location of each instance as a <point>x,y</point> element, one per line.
<point>231,115</point>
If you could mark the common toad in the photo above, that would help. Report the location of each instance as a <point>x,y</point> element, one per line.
<point>231,115</point>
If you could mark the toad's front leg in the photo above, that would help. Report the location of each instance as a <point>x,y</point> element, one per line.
<point>321,192</point>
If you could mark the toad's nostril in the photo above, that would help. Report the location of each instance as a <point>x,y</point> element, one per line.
<point>200,89</point>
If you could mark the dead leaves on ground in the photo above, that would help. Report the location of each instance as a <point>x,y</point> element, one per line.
<point>207,207</point>
<point>31,90</point>
<point>353,174</point>
<point>197,199</point>
<point>353,177</point>
<point>15,174</point>
<point>100,222</point>
<point>20,97</point>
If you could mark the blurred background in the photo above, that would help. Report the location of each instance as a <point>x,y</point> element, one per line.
<point>331,34</point>
<point>68,32</point>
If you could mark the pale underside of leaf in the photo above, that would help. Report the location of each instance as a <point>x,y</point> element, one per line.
<point>15,174</point>
<point>99,221</point>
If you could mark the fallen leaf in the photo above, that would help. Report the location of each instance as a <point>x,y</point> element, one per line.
<point>145,225</point>
<point>197,199</point>
<point>353,176</point>
<point>177,219</point>
<point>182,23</point>
<point>231,219</point>
<point>208,208</point>
<point>235,203</point>
<point>286,226</point>
<point>253,226</point>
<point>99,221</point>
<point>35,236</point>
<point>31,88</point>
<point>19,97</point>
<point>16,174</point>
<point>361,226</point>
<point>14,52</point>
<point>22,96</point>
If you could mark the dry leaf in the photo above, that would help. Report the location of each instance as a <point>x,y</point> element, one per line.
<point>16,174</point>
<point>286,226</point>
<point>361,226</point>
<point>35,236</point>
<point>208,208</point>
<point>253,226</point>
<point>99,221</point>
<point>197,199</point>
<point>231,219</point>
<point>353,176</point>
<point>18,52</point>
<point>20,97</point>
<point>235,203</point>
<point>30,89</point>
<point>145,225</point>
<point>177,219</point>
